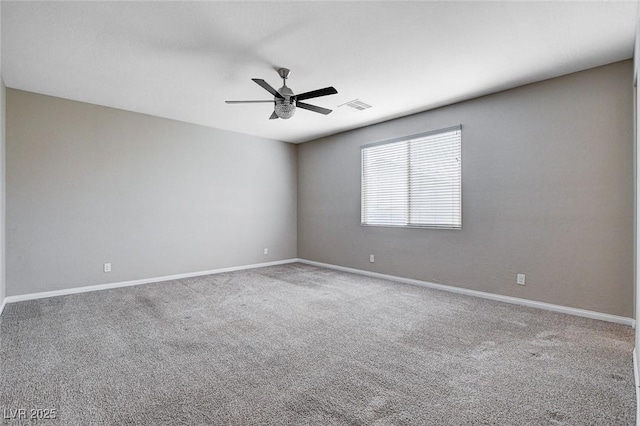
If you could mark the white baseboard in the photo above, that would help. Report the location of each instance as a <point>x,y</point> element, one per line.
<point>63,292</point>
<point>637,384</point>
<point>491,296</point>
<point>452,289</point>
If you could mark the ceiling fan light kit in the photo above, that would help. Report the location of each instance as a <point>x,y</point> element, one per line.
<point>284,108</point>
<point>285,101</point>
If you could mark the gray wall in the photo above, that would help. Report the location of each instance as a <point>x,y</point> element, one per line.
<point>636,120</point>
<point>88,184</point>
<point>2,179</point>
<point>547,191</point>
<point>2,189</point>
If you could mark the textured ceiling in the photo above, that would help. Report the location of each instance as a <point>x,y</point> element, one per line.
<point>182,60</point>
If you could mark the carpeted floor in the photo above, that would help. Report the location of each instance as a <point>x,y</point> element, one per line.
<point>300,345</point>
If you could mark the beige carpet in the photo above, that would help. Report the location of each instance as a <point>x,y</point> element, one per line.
<point>300,345</point>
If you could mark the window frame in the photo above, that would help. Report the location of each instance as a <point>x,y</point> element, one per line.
<point>403,139</point>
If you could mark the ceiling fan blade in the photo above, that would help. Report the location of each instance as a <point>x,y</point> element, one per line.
<point>267,87</point>
<point>273,116</point>
<point>247,102</point>
<point>313,108</point>
<point>317,93</point>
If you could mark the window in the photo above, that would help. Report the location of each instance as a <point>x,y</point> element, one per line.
<point>414,181</point>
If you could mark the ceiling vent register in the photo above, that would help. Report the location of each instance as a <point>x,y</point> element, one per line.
<point>356,104</point>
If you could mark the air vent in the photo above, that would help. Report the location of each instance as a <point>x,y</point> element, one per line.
<point>356,104</point>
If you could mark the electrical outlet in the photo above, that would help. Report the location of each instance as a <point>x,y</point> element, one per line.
<point>107,267</point>
<point>266,250</point>
<point>372,258</point>
<point>520,279</point>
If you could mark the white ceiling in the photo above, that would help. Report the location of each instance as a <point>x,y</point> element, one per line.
<point>182,60</point>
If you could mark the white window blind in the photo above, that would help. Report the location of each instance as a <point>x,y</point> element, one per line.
<point>414,181</point>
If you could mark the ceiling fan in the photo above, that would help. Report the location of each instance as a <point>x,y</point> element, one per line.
<point>285,102</point>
